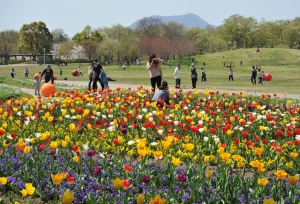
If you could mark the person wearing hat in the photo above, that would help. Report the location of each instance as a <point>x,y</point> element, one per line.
<point>162,95</point>
<point>177,76</point>
<point>48,74</point>
<point>194,75</point>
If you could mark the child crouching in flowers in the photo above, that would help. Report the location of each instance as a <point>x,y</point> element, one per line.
<point>162,95</point>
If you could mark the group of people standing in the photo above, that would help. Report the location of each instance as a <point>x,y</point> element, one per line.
<point>257,72</point>
<point>96,73</point>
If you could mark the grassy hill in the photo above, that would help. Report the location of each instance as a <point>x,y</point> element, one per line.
<point>283,64</point>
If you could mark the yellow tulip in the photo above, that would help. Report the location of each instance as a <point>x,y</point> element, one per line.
<point>27,150</point>
<point>209,174</point>
<point>117,183</point>
<point>76,158</point>
<point>140,199</point>
<point>262,181</point>
<point>23,192</point>
<point>53,145</point>
<point>293,179</point>
<point>175,161</point>
<point>269,201</point>
<point>280,174</point>
<point>3,180</point>
<point>57,178</point>
<point>158,200</point>
<point>29,188</point>
<point>68,197</point>
<point>158,154</point>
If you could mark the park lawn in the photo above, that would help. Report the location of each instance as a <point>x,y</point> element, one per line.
<point>281,63</point>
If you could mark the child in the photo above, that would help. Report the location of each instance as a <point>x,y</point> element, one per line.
<point>103,79</point>
<point>36,84</point>
<point>12,73</point>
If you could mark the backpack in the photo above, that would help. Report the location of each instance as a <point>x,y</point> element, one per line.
<point>103,78</point>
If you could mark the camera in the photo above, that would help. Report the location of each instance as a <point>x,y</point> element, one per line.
<point>155,62</point>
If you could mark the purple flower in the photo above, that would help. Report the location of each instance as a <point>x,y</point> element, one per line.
<point>124,131</point>
<point>157,138</point>
<point>80,131</point>
<point>107,125</point>
<point>145,179</point>
<point>97,170</point>
<point>181,177</point>
<point>124,125</point>
<point>91,153</point>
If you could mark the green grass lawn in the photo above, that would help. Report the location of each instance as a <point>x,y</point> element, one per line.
<point>281,63</point>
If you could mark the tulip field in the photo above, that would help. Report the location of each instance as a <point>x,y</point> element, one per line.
<point>117,146</point>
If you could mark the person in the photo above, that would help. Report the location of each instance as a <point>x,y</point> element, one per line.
<point>124,65</point>
<point>103,79</point>
<point>96,77</point>
<point>203,75</point>
<point>155,72</point>
<point>12,73</point>
<point>230,74</point>
<point>260,77</point>
<point>60,71</point>
<point>203,64</point>
<point>177,76</point>
<point>253,76</point>
<point>91,74</point>
<point>224,63</point>
<point>162,95</point>
<point>47,73</point>
<point>36,84</point>
<point>79,71</point>
<point>26,72</point>
<point>194,75</point>
<point>241,63</point>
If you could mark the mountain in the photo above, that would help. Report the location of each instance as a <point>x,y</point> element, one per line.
<point>189,20</point>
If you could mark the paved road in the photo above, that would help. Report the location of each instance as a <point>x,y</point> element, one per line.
<point>114,85</point>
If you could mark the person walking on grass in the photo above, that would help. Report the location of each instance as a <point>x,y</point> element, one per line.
<point>177,76</point>
<point>194,75</point>
<point>96,77</point>
<point>203,75</point>
<point>60,71</point>
<point>253,76</point>
<point>230,74</point>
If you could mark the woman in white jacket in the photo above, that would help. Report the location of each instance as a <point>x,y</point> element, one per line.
<point>177,76</point>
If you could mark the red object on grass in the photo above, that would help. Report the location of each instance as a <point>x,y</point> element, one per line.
<point>75,73</point>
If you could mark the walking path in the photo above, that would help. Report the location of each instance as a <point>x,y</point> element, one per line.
<point>114,85</point>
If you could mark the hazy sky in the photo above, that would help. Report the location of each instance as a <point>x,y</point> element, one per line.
<point>73,15</point>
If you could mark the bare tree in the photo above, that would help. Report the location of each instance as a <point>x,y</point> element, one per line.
<point>150,27</point>
<point>55,50</point>
<point>8,43</point>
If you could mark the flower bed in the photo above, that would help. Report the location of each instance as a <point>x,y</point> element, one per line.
<point>115,146</point>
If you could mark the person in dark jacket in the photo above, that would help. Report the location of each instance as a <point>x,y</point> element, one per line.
<point>96,77</point>
<point>47,73</point>
<point>194,75</point>
<point>253,76</point>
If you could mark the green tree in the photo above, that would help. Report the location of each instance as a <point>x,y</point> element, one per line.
<point>8,43</point>
<point>127,48</point>
<point>66,48</point>
<point>173,30</point>
<point>291,36</point>
<point>88,34</point>
<point>34,37</point>
<point>200,37</point>
<point>151,27</point>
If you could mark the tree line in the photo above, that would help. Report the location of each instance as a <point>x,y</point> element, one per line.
<point>151,35</point>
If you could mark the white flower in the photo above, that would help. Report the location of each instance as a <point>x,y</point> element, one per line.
<point>19,113</point>
<point>217,140</point>
<point>67,116</point>
<point>202,112</point>
<point>140,116</point>
<point>218,110</point>
<point>297,137</point>
<point>110,116</point>
<point>240,109</point>
<point>144,110</point>
<point>151,119</point>
<point>104,116</point>
<point>144,129</point>
<point>200,130</point>
<point>160,132</point>
<point>130,142</point>
<point>85,146</point>
<point>153,112</point>
<point>185,107</point>
<point>254,114</point>
<point>193,111</point>
<point>9,137</point>
<point>153,143</point>
<point>111,128</point>
<point>176,122</point>
<point>27,141</point>
<point>235,128</point>
<point>205,139</point>
<point>241,129</point>
<point>98,113</point>
<point>200,122</point>
<point>38,134</point>
<point>73,117</point>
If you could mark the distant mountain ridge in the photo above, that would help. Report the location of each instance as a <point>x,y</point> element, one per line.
<point>189,20</point>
